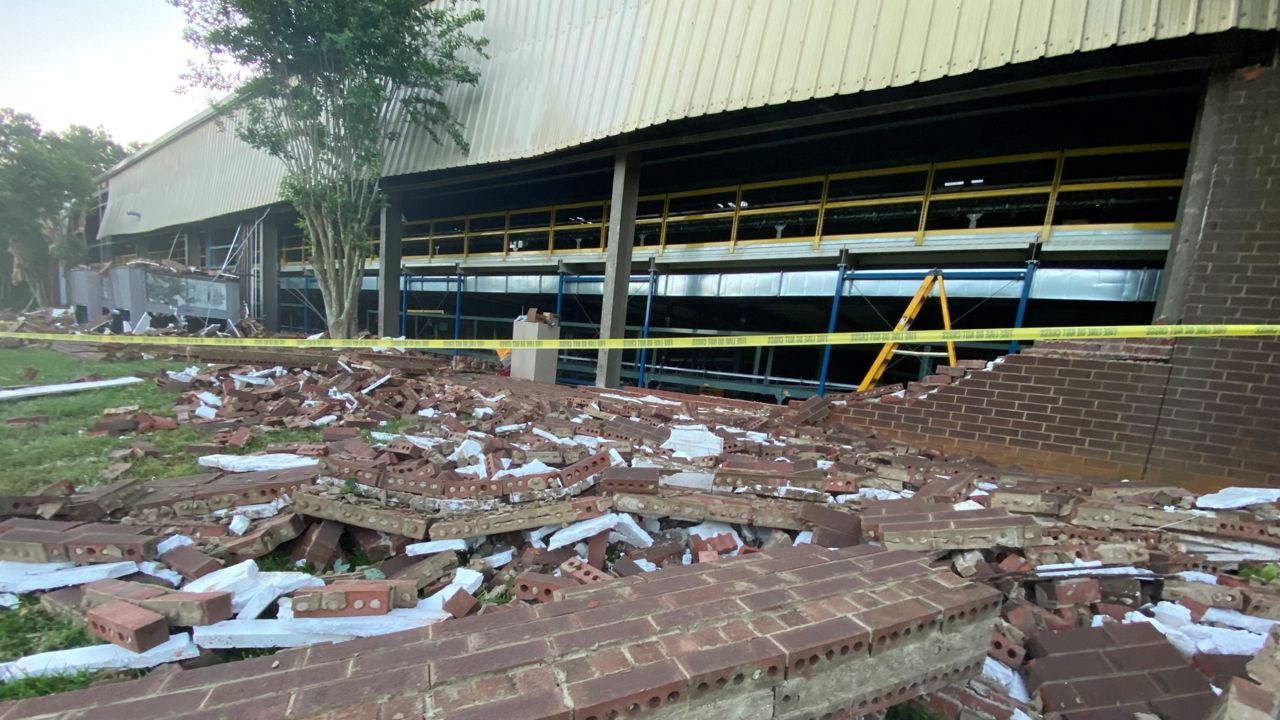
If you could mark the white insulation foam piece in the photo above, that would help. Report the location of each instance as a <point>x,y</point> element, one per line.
<point>1005,678</point>
<point>1197,576</point>
<point>156,570</point>
<point>435,546</point>
<point>500,559</point>
<point>237,578</point>
<point>623,524</point>
<point>257,463</point>
<point>61,388</point>
<point>173,541</point>
<point>65,577</point>
<point>250,603</point>
<point>230,634</point>
<point>99,657</point>
<point>693,441</point>
<point>1238,497</point>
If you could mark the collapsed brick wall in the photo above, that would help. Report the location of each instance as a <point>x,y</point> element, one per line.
<point>792,633</point>
<point>1219,414</point>
<point>1194,412</point>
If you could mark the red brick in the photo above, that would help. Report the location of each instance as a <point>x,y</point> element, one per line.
<point>128,626</point>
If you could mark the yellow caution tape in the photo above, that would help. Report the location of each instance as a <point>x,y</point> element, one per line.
<point>1104,332</point>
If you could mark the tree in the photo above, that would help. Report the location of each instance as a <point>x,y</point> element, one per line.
<point>324,85</point>
<point>47,184</point>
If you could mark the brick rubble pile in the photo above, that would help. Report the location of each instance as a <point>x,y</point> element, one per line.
<point>464,545</point>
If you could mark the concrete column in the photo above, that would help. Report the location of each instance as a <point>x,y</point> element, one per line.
<point>269,276</point>
<point>617,271</point>
<point>1189,225</point>
<point>389,246</point>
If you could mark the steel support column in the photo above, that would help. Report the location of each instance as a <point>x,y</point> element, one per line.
<point>644,333</point>
<point>269,276</point>
<point>391,232</point>
<point>617,278</point>
<point>457,310</point>
<point>831,326</point>
<point>1027,277</point>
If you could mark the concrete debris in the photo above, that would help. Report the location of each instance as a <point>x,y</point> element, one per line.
<point>609,553</point>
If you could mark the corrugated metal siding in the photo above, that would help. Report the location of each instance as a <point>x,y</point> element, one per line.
<point>572,71</point>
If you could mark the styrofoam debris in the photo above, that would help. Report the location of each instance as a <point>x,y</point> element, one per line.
<point>468,579</point>
<point>209,399</point>
<point>376,384</point>
<point>99,657</point>
<point>239,525</point>
<point>879,494</point>
<point>171,542</point>
<point>466,449</point>
<point>251,379</point>
<point>689,480</point>
<point>499,559</point>
<point>237,578</point>
<point>435,546</point>
<point>156,570</point>
<point>257,463</point>
<point>531,468</point>
<point>65,576</point>
<point>623,523</point>
<point>1197,576</point>
<point>1174,622</point>
<point>646,565</point>
<point>62,388</point>
<point>256,511</point>
<point>1239,620</point>
<point>1238,497</point>
<point>710,528</point>
<point>269,586</point>
<point>246,634</point>
<point>1006,679</point>
<point>693,441</point>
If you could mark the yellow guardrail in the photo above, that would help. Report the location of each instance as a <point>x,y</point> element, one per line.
<point>1104,332</point>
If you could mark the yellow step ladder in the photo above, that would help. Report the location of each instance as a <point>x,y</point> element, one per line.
<point>904,323</point>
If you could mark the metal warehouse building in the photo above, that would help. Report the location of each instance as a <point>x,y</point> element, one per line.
<point>675,167</point>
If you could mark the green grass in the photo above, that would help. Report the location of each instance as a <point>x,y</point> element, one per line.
<point>909,711</point>
<point>30,687</point>
<point>36,456</point>
<point>27,630</point>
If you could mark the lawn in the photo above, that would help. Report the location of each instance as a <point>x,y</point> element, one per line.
<point>31,457</point>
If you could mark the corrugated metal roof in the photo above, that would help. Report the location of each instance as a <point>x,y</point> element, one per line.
<point>564,73</point>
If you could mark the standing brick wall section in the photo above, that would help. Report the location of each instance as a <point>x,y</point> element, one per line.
<point>1066,407</point>
<point>1220,416</point>
<point>1196,412</point>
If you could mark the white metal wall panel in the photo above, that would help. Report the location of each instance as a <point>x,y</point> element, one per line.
<point>563,73</point>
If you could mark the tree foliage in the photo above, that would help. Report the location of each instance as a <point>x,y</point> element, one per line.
<point>47,184</point>
<point>324,85</point>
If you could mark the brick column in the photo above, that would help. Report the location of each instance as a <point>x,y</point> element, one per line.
<point>1217,424</point>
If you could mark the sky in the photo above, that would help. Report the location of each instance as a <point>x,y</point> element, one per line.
<point>113,63</point>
